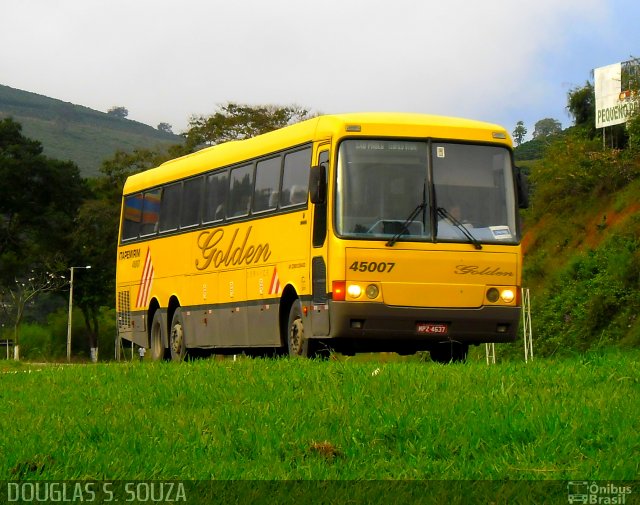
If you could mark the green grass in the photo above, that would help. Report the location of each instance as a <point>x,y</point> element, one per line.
<point>573,418</point>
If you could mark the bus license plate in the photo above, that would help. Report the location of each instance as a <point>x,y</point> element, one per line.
<point>432,328</point>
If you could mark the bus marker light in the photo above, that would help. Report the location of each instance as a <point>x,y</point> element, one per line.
<point>493,295</point>
<point>339,290</point>
<point>372,291</point>
<point>353,128</point>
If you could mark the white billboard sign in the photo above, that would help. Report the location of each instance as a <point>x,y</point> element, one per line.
<point>613,106</point>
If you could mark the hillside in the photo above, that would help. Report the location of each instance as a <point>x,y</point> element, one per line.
<point>73,132</point>
<point>582,245</point>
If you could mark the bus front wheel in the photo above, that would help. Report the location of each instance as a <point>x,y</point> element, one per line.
<point>297,344</point>
<point>177,342</point>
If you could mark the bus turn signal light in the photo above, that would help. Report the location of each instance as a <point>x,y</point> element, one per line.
<point>339,290</point>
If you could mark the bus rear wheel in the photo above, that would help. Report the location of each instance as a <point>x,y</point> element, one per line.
<point>449,352</point>
<point>177,341</point>
<point>157,338</point>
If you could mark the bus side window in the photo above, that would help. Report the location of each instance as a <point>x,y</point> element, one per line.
<point>240,191</point>
<point>215,199</point>
<point>191,197</point>
<point>150,212</point>
<point>265,195</point>
<point>170,207</point>
<point>132,216</point>
<point>295,178</point>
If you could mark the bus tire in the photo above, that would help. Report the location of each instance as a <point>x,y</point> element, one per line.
<point>157,337</point>
<point>297,344</point>
<point>449,352</point>
<point>177,339</point>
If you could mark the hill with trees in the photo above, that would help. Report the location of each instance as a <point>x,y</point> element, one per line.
<point>79,134</point>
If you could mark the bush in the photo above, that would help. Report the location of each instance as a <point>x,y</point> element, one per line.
<point>48,341</point>
<point>576,168</point>
<point>633,129</point>
<point>36,342</point>
<point>593,301</point>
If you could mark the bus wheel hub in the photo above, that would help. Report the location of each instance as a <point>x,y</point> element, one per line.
<point>176,338</point>
<point>296,336</point>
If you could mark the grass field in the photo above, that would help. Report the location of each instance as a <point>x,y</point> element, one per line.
<point>551,419</point>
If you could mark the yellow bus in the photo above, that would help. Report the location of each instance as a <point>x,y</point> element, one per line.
<point>356,233</point>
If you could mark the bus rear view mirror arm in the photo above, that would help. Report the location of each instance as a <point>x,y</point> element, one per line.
<point>318,184</point>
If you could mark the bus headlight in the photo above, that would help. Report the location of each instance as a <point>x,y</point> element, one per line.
<point>354,291</point>
<point>507,295</point>
<point>372,291</point>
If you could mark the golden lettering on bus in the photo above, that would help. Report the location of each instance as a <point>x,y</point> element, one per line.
<point>237,252</point>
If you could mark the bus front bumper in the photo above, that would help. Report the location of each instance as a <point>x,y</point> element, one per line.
<point>421,325</point>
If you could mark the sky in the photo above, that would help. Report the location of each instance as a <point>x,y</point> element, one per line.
<point>500,61</point>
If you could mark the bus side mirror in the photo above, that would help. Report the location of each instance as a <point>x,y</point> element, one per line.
<point>318,184</point>
<point>522,184</point>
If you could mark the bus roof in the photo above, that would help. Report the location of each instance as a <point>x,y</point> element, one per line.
<point>365,124</point>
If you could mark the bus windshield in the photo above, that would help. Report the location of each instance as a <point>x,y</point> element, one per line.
<point>390,189</point>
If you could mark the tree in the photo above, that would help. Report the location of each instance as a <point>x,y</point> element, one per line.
<point>15,297</point>
<point>581,104</point>
<point>165,127</point>
<point>546,127</point>
<point>633,129</point>
<point>519,132</point>
<point>94,243</point>
<point>235,121</point>
<point>118,111</point>
<point>123,164</point>
<point>40,197</point>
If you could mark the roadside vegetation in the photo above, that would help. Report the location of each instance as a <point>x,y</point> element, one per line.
<point>582,236</point>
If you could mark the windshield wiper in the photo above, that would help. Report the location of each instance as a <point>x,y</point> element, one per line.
<point>445,214</point>
<point>405,226</point>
